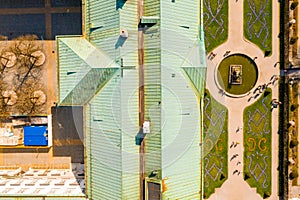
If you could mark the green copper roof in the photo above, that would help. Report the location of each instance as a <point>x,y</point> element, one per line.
<point>88,86</point>
<point>196,77</point>
<point>83,70</point>
<point>90,54</point>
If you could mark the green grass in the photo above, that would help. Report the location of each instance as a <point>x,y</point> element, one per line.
<point>215,143</point>
<point>264,41</point>
<point>258,144</point>
<point>214,33</point>
<point>249,74</point>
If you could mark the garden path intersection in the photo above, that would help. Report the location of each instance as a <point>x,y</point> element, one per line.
<point>235,187</point>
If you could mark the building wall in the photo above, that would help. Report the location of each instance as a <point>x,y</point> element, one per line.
<point>68,129</point>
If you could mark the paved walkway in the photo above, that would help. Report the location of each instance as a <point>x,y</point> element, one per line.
<point>235,188</point>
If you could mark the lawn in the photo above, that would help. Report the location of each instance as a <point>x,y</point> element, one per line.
<point>215,144</point>
<point>258,144</point>
<point>249,74</point>
<point>215,19</point>
<point>258,23</point>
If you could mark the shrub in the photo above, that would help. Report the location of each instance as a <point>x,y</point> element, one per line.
<point>222,177</point>
<point>267,195</point>
<point>247,176</point>
<point>267,92</point>
<point>294,5</point>
<point>293,40</point>
<point>294,106</point>
<point>267,53</point>
<point>294,174</point>
<point>293,143</point>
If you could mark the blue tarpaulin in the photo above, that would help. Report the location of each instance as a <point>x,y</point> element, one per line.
<point>35,136</point>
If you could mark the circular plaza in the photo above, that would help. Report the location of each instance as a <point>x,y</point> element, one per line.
<point>237,74</point>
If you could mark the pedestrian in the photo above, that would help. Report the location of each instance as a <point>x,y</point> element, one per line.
<point>254,58</point>
<point>276,64</point>
<point>232,144</point>
<point>257,89</point>
<point>233,157</point>
<point>236,144</point>
<point>209,56</point>
<point>250,98</point>
<point>213,56</point>
<point>264,86</point>
<point>222,92</point>
<point>226,53</point>
<point>274,106</point>
<point>273,101</point>
<point>240,128</point>
<point>273,77</point>
<point>235,171</point>
<point>239,162</point>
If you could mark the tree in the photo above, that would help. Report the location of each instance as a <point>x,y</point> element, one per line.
<point>29,57</point>
<point>8,59</point>
<point>4,108</point>
<point>30,102</point>
<point>294,106</point>
<point>21,62</point>
<point>293,174</point>
<point>294,5</point>
<point>293,40</point>
<point>293,143</point>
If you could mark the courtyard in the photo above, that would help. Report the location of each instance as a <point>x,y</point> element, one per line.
<point>243,85</point>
